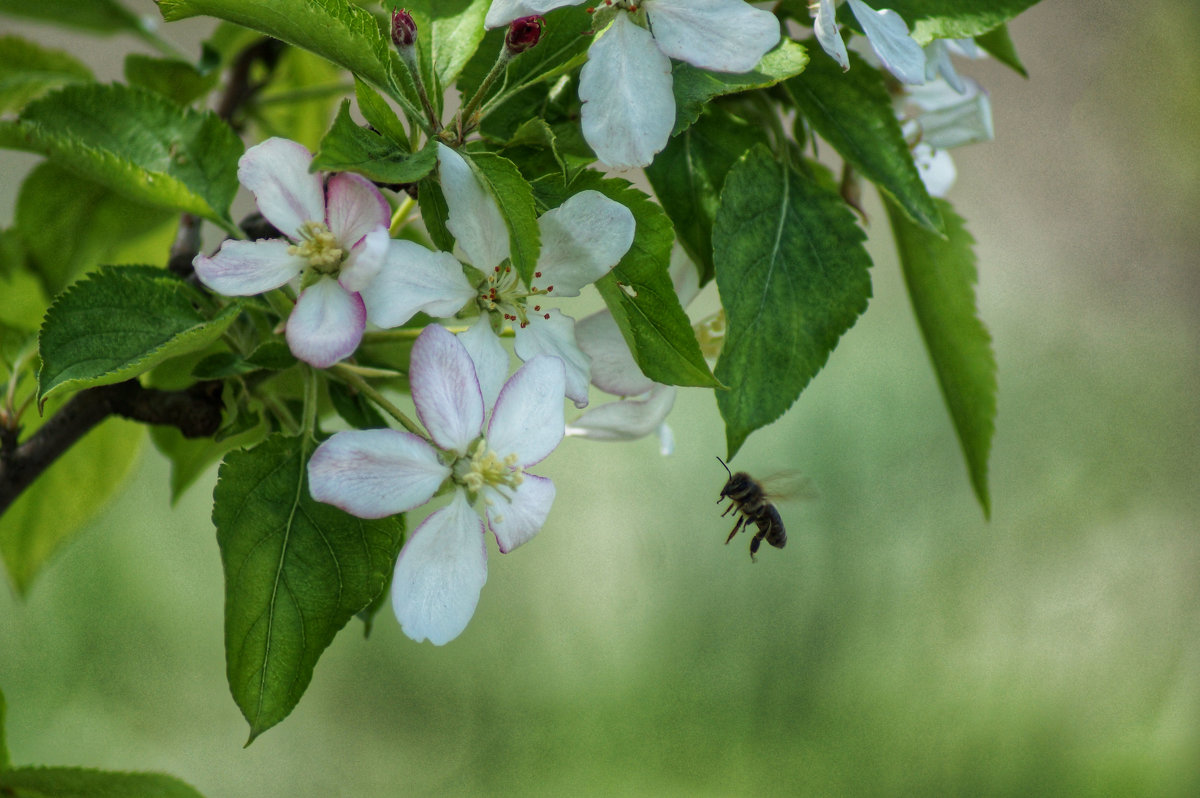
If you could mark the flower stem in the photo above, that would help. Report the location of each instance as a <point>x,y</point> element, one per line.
<point>400,217</point>
<point>467,118</point>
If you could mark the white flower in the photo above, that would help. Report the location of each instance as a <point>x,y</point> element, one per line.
<point>337,239</point>
<point>381,472</point>
<point>886,31</point>
<point>582,240</point>
<point>626,85</point>
<point>937,60</point>
<point>945,117</point>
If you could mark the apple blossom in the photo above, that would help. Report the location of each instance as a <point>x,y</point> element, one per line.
<point>336,240</point>
<point>886,31</point>
<point>945,117</point>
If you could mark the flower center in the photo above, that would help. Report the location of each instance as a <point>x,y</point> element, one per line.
<point>486,468</point>
<point>604,12</point>
<point>319,247</point>
<point>504,293</point>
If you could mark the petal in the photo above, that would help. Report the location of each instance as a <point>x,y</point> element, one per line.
<point>503,12</point>
<point>517,518</point>
<point>554,334</point>
<point>354,207</point>
<point>628,106</point>
<point>582,240</point>
<point>489,356</point>
<point>888,34</point>
<point>722,35</point>
<point>439,574</point>
<point>937,60</point>
<point>475,218</point>
<point>666,440</point>
<point>936,169</point>
<point>528,419</point>
<point>966,120</point>
<point>445,389</point>
<point>415,279</point>
<point>245,268</point>
<point>826,29</point>
<point>276,171</point>
<point>375,473</point>
<point>327,323</point>
<point>613,368</point>
<point>365,260</point>
<point>625,419</point>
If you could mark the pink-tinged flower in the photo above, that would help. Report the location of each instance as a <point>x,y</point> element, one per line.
<point>336,241</point>
<point>381,472</point>
<point>886,31</point>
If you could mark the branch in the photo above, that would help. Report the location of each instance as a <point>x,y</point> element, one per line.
<point>195,411</point>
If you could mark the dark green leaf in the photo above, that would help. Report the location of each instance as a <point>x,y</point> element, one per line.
<point>28,70</point>
<point>354,408</point>
<point>4,762</point>
<point>96,16</point>
<point>793,276</point>
<point>179,81</point>
<point>955,19</point>
<point>434,213</point>
<point>513,194</point>
<point>999,43</point>
<point>296,571</point>
<point>81,783</point>
<point>940,275</point>
<point>380,115</point>
<point>348,147</point>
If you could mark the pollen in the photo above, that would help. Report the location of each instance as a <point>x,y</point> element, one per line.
<point>319,247</point>
<point>486,468</point>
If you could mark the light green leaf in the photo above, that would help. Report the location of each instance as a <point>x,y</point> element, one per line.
<point>120,322</point>
<point>348,147</point>
<point>515,197</point>
<point>694,87</point>
<point>299,101</point>
<point>96,16</point>
<point>448,33</point>
<point>4,762</point>
<point>191,457</point>
<point>955,19</point>
<point>793,276</point>
<point>940,275</point>
<point>81,783</point>
<point>380,115</point>
<point>25,299</point>
<point>296,571</point>
<point>179,81</point>
<point>137,143</point>
<point>853,112</point>
<point>28,70</point>
<point>999,43</point>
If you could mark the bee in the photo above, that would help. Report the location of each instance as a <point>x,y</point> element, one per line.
<point>753,504</point>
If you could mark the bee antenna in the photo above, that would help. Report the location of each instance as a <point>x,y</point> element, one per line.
<point>727,471</point>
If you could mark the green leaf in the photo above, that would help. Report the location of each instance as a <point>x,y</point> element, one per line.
<point>96,16</point>
<point>25,299</point>
<point>71,225</point>
<point>4,761</point>
<point>354,408</point>
<point>119,323</point>
<point>955,19</point>
<point>65,496</point>
<point>448,31</point>
<point>137,143</point>
<point>59,782</point>
<point>941,276</point>
<point>694,87</point>
<point>688,175</point>
<point>299,101</point>
<point>28,70</point>
<point>348,147</point>
<point>793,276</point>
<point>514,196</point>
<point>853,112</point>
<point>434,213</point>
<point>191,457</point>
<point>1000,45</point>
<point>179,81</point>
<point>380,115</point>
<point>296,571</point>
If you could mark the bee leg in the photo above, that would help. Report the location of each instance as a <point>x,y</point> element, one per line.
<point>736,528</point>
<point>755,542</point>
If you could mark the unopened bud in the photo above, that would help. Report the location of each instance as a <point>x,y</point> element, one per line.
<point>404,30</point>
<point>523,33</point>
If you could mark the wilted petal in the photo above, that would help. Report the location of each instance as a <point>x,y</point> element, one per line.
<point>528,419</point>
<point>488,355</point>
<point>950,119</point>
<point>613,368</point>
<point>628,106</point>
<point>327,323</point>
<point>276,171</point>
<point>625,419</point>
<point>517,517</point>
<point>365,260</point>
<point>582,239</point>
<point>415,279</point>
<point>555,335</point>
<point>826,29</point>
<point>503,12</point>
<point>375,473</point>
<point>475,218</point>
<point>245,268</point>
<point>439,574</point>
<point>445,389</point>
<point>354,207</point>
<point>888,34</point>
<point>722,35</point>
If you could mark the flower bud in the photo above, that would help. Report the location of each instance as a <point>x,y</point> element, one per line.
<point>404,30</point>
<point>523,33</point>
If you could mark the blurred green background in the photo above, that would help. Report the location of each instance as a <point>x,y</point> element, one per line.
<point>900,645</point>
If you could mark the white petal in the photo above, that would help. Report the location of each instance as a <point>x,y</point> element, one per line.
<point>826,29</point>
<point>414,279</point>
<point>445,389</point>
<point>475,218</point>
<point>965,119</point>
<point>439,574</point>
<point>936,169</point>
<point>375,473</point>
<point>489,356</point>
<point>503,12</point>
<point>628,106</point>
<point>937,60</point>
<point>276,171</point>
<point>365,260</point>
<point>327,323</point>
<point>245,268</point>
<point>722,35</point>
<point>888,34</point>
<point>517,518</point>
<point>625,419</point>
<point>613,368</point>
<point>582,240</point>
<point>554,334</point>
<point>528,419</point>
<point>354,207</point>
<point>666,440</point>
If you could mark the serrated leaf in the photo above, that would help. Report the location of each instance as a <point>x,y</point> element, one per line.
<point>694,87</point>
<point>940,275</point>
<point>136,142</point>
<point>793,276</point>
<point>1000,45</point>
<point>296,571</point>
<point>118,323</point>
<point>28,70</point>
<point>514,196</point>
<point>348,147</point>
<point>955,19</point>
<point>688,175</point>
<point>59,782</point>
<point>176,80</point>
<point>853,111</point>
<point>97,16</point>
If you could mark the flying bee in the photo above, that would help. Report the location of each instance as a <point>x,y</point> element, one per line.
<point>753,501</point>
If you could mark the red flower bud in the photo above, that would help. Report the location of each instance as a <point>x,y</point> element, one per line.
<point>404,30</point>
<point>523,33</point>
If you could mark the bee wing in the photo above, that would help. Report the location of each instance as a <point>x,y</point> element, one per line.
<point>788,485</point>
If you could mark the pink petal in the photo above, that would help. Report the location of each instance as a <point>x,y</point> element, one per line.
<point>445,389</point>
<point>245,268</point>
<point>517,518</point>
<point>439,574</point>
<point>366,259</point>
<point>528,419</point>
<point>327,323</point>
<point>375,473</point>
<point>276,171</point>
<point>354,207</point>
